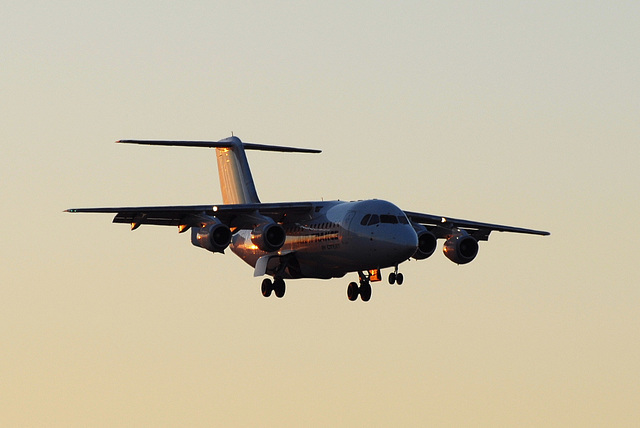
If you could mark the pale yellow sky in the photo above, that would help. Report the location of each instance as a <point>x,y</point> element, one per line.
<point>523,114</point>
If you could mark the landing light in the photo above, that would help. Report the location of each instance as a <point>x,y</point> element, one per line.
<point>374,275</point>
<point>215,208</point>
<point>443,220</point>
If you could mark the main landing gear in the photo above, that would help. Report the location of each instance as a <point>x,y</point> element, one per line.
<point>277,286</point>
<point>364,290</point>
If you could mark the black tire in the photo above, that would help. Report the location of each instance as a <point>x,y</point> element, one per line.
<point>352,291</point>
<point>365,292</point>
<point>279,287</point>
<point>392,278</point>
<point>267,287</point>
<point>399,279</point>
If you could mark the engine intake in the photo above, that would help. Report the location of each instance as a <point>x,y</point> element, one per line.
<point>268,237</point>
<point>214,237</point>
<point>426,245</point>
<point>461,249</point>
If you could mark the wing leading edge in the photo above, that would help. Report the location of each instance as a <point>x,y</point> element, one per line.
<point>236,215</point>
<point>441,226</point>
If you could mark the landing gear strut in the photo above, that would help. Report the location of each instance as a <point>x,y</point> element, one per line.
<point>364,290</point>
<point>277,286</point>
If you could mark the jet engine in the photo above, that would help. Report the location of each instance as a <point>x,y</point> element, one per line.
<point>268,236</point>
<point>461,248</point>
<point>426,245</point>
<point>214,237</point>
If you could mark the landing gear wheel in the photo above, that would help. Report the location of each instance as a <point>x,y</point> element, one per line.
<point>279,287</point>
<point>399,278</point>
<point>352,291</point>
<point>392,278</point>
<point>365,291</point>
<point>267,287</point>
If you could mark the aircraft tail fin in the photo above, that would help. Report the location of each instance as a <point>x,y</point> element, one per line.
<point>236,181</point>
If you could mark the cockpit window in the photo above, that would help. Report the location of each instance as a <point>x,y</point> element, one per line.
<point>371,219</point>
<point>389,219</point>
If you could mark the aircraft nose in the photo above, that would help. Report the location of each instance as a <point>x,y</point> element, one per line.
<point>402,245</point>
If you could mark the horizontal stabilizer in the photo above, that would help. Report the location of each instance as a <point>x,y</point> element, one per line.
<point>228,142</point>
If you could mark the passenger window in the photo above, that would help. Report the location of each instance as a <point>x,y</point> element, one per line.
<point>389,219</point>
<point>365,220</point>
<point>374,220</point>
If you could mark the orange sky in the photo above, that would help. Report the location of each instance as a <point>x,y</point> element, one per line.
<point>524,115</point>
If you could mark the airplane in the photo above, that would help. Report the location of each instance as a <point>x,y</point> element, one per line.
<point>315,239</point>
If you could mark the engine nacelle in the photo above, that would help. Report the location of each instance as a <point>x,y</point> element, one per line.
<point>461,249</point>
<point>426,245</point>
<point>214,237</point>
<point>268,237</point>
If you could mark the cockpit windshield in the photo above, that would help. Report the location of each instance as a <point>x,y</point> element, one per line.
<point>391,219</point>
<point>372,219</point>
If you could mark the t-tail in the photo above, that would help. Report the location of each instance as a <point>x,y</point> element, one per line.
<point>236,181</point>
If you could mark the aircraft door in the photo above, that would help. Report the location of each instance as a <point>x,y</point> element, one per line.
<point>346,227</point>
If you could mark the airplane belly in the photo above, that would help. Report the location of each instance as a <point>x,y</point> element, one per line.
<point>310,260</point>
<point>322,266</point>
<point>242,247</point>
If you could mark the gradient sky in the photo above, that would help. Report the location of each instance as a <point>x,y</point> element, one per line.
<point>521,113</point>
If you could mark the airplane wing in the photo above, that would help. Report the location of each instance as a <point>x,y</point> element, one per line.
<point>234,216</point>
<point>441,226</point>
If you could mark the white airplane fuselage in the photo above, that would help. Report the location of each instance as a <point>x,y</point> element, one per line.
<point>335,241</point>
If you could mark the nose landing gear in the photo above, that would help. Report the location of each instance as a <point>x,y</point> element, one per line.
<point>396,277</point>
